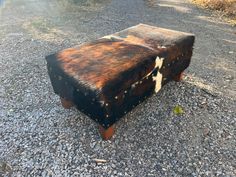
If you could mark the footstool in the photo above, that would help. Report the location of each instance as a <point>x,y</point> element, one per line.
<point>108,77</point>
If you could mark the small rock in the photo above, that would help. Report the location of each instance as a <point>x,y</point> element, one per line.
<point>225,134</point>
<point>206,131</point>
<point>5,167</point>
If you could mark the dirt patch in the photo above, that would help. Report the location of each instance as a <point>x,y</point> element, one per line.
<point>43,29</point>
<point>227,8</point>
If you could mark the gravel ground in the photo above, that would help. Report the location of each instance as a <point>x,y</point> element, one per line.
<point>40,138</point>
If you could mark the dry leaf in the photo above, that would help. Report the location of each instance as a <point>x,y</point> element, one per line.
<point>178,110</point>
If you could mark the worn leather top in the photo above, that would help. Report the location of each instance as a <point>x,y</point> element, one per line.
<point>111,61</point>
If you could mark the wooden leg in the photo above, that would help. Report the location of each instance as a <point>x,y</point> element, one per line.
<point>66,103</point>
<point>179,77</point>
<point>106,134</point>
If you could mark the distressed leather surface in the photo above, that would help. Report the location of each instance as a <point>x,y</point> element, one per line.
<point>106,78</point>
